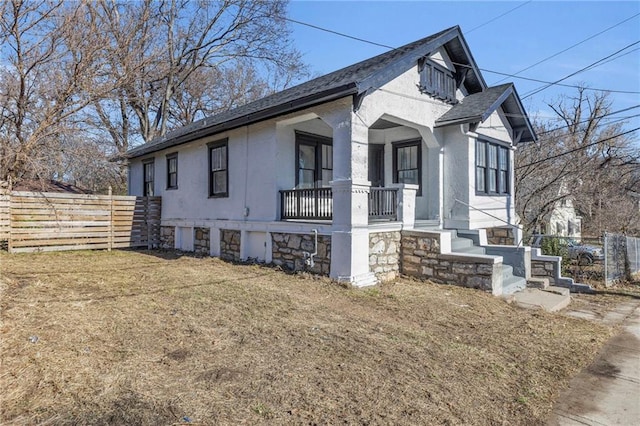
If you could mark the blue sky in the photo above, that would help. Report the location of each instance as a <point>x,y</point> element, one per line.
<point>520,38</point>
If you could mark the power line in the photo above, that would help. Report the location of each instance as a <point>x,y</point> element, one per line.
<point>593,65</point>
<point>306,24</point>
<point>373,43</point>
<point>594,118</point>
<point>498,17</point>
<point>628,92</point>
<point>552,157</point>
<point>571,47</point>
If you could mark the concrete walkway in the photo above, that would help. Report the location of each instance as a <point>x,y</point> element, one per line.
<point>608,391</point>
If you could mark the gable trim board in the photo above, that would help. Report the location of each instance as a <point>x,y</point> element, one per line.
<point>356,80</point>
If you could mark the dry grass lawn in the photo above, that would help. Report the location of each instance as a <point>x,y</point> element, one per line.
<point>154,338</point>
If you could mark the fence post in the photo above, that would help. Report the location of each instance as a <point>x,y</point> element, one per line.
<point>606,260</point>
<point>10,238</point>
<point>110,219</point>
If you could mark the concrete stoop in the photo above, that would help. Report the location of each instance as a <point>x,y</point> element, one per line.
<point>551,299</point>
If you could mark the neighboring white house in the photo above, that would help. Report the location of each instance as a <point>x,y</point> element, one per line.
<point>563,221</point>
<point>412,139</point>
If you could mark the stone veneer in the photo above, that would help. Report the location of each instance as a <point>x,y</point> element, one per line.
<point>500,236</point>
<point>230,245</point>
<point>288,250</point>
<point>201,243</point>
<point>384,254</point>
<point>545,269</point>
<point>168,237</point>
<point>420,257</point>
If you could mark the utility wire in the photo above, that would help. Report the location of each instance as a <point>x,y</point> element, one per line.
<point>533,163</point>
<point>594,118</point>
<point>592,65</point>
<point>373,43</point>
<point>571,47</point>
<point>498,17</point>
<point>564,85</point>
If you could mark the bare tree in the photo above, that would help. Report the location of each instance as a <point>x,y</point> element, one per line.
<point>583,158</point>
<point>52,69</point>
<point>173,56</point>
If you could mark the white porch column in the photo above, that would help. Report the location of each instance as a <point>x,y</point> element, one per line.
<point>350,187</point>
<point>406,203</point>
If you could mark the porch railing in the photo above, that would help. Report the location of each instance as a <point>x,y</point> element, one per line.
<point>317,204</point>
<point>383,203</point>
<point>312,203</point>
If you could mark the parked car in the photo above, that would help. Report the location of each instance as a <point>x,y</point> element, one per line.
<point>584,254</point>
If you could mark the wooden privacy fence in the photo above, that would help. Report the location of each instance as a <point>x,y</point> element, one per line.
<point>37,221</point>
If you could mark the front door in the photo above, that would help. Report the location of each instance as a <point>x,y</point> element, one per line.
<point>376,165</point>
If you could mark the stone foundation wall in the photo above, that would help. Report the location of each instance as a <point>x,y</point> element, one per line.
<point>202,241</point>
<point>420,257</point>
<point>167,237</point>
<point>500,236</point>
<point>384,254</point>
<point>544,269</point>
<point>230,245</point>
<point>287,250</point>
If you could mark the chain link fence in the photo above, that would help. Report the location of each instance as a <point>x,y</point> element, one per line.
<point>622,257</point>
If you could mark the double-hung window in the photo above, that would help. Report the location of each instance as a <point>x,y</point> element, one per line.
<point>172,171</point>
<point>314,161</point>
<point>149,174</point>
<point>492,168</point>
<point>407,163</point>
<point>218,169</point>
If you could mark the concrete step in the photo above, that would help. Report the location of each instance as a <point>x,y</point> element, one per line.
<point>513,285</point>
<point>533,298</point>
<point>471,250</point>
<point>507,271</point>
<point>536,282</point>
<point>558,290</point>
<point>460,243</point>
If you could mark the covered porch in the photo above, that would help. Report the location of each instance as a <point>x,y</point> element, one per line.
<point>400,161</point>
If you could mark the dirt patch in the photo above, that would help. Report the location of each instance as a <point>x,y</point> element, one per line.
<point>148,338</point>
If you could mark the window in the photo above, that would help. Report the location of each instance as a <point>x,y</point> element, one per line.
<point>407,163</point>
<point>492,168</point>
<point>172,171</point>
<point>218,169</point>
<point>314,161</point>
<point>147,189</point>
<point>437,81</point>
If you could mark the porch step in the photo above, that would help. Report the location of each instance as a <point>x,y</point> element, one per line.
<point>533,298</point>
<point>471,250</point>
<point>513,284</point>
<point>538,282</point>
<point>563,291</point>
<point>458,243</point>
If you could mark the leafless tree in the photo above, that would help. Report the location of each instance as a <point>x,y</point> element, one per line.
<point>52,68</point>
<point>175,57</point>
<point>584,158</point>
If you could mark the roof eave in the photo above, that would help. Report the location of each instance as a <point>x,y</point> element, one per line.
<point>245,120</point>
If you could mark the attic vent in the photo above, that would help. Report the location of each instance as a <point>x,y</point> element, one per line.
<point>437,81</point>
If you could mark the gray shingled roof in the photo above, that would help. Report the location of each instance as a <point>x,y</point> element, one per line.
<point>477,107</point>
<point>334,85</point>
<point>355,79</point>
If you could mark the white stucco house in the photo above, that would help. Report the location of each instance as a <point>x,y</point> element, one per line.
<point>563,220</point>
<point>391,161</point>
